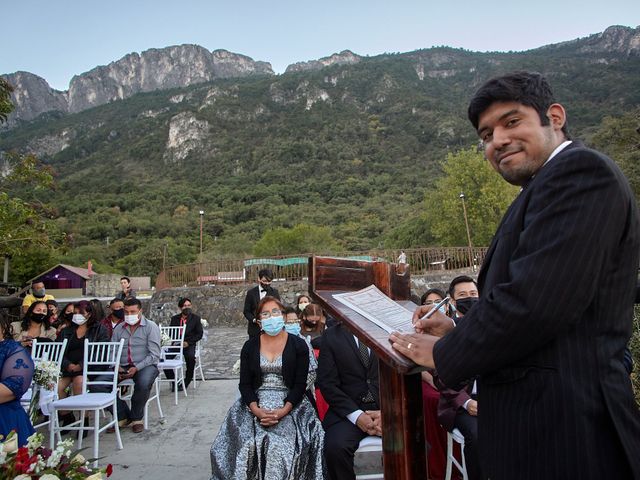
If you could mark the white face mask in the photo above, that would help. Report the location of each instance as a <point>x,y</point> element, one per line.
<point>78,319</point>
<point>131,319</point>
<point>303,305</point>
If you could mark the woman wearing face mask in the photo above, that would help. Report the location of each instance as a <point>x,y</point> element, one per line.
<point>313,323</point>
<point>33,325</point>
<point>301,303</point>
<point>271,432</point>
<point>64,318</point>
<point>85,325</point>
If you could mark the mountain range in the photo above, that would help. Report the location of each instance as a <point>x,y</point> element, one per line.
<point>347,142</point>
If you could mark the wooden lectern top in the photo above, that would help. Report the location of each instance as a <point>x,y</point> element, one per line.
<point>329,276</point>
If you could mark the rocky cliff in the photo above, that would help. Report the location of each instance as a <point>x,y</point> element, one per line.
<point>346,57</point>
<point>154,69</point>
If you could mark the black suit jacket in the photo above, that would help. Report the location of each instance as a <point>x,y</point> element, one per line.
<point>193,331</point>
<point>343,378</point>
<point>251,302</point>
<point>547,337</point>
<point>295,366</point>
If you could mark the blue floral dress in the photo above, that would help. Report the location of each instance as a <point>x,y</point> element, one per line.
<point>16,372</point>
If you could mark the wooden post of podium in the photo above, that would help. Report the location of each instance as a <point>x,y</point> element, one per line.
<point>403,441</point>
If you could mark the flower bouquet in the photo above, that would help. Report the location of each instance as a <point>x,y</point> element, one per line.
<point>45,378</point>
<point>165,340</point>
<point>37,462</point>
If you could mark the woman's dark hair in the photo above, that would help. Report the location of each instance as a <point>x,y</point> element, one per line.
<point>313,309</point>
<point>86,307</point>
<point>51,302</point>
<point>437,291</point>
<point>67,306</point>
<point>5,327</point>
<point>265,300</point>
<point>27,316</point>
<point>182,301</point>
<point>527,88</point>
<point>98,309</point>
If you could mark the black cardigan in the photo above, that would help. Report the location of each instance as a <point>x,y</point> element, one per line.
<point>295,367</point>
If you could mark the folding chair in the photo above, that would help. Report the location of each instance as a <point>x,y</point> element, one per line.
<point>53,351</point>
<point>154,396</point>
<point>198,366</point>
<point>172,358</point>
<point>100,368</point>
<point>370,444</point>
<point>456,436</point>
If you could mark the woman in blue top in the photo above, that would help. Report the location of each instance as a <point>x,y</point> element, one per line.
<point>16,372</point>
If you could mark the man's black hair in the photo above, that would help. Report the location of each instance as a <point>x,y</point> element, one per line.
<point>460,279</point>
<point>126,278</point>
<point>528,88</point>
<point>114,300</point>
<point>266,273</point>
<point>182,301</point>
<point>131,301</point>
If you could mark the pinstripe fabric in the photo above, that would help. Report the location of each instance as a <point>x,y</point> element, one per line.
<point>547,336</point>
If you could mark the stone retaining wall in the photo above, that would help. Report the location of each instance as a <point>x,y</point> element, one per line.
<point>222,305</point>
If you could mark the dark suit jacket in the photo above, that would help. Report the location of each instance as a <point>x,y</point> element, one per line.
<point>342,376</point>
<point>547,337</point>
<point>193,331</point>
<point>295,366</point>
<point>251,302</point>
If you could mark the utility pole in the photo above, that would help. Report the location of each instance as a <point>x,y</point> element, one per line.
<point>201,225</point>
<point>466,222</point>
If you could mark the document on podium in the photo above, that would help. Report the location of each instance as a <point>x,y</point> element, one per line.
<point>374,305</point>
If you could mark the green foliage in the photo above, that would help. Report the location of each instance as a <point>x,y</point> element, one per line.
<point>6,107</point>
<point>487,197</point>
<point>302,238</point>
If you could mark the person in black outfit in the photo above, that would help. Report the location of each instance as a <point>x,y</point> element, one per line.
<point>192,335</point>
<point>348,380</point>
<point>254,295</point>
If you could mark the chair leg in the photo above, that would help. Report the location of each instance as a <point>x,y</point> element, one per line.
<point>53,424</point>
<point>447,475</point>
<point>184,386</point>
<point>175,386</point>
<point>81,431</point>
<point>157,385</point>
<point>96,436</point>
<point>116,426</point>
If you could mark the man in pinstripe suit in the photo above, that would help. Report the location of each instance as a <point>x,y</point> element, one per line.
<point>556,301</point>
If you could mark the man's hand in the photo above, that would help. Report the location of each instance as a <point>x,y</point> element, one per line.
<point>472,408</point>
<point>438,324</point>
<point>416,346</point>
<point>377,421</point>
<point>366,424</point>
<point>185,344</point>
<point>132,371</point>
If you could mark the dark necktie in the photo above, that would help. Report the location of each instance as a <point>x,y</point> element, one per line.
<point>364,353</point>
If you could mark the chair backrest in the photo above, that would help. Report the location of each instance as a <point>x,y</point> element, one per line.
<point>101,363</point>
<point>53,351</point>
<point>176,334</point>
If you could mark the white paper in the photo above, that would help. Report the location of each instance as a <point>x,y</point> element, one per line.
<point>374,305</point>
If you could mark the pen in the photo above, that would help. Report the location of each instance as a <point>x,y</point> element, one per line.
<point>442,302</point>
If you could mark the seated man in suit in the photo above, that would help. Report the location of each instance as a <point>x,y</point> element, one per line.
<point>191,322</point>
<point>459,408</point>
<point>348,380</point>
<point>253,297</point>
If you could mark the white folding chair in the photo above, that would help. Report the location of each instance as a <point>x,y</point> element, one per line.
<point>53,351</point>
<point>456,436</point>
<point>126,397</point>
<point>172,358</point>
<point>99,368</point>
<point>198,366</point>
<point>370,444</point>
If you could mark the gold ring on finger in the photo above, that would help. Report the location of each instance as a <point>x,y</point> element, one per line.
<point>410,345</point>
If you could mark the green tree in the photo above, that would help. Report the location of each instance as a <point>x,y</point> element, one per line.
<point>302,238</point>
<point>487,197</point>
<point>6,107</point>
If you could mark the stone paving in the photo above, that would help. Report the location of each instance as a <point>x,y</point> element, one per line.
<point>221,350</point>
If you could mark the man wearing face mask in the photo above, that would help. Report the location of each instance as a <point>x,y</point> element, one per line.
<point>253,298</point>
<point>139,360</point>
<point>38,293</point>
<point>115,317</point>
<point>459,408</point>
<point>193,333</point>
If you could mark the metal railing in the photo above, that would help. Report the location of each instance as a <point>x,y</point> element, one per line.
<point>295,267</point>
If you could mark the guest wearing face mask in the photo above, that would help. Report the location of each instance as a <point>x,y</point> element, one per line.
<point>85,325</point>
<point>38,294</point>
<point>52,313</point>
<point>33,325</point>
<point>313,323</point>
<point>301,303</point>
<point>64,318</point>
<point>193,333</point>
<point>272,431</point>
<point>139,361</point>
<point>115,317</point>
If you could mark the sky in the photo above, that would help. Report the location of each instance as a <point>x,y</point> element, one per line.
<point>57,39</point>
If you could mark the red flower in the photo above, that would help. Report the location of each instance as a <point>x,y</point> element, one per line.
<point>109,470</point>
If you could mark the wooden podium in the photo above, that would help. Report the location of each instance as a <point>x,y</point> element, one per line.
<point>403,439</point>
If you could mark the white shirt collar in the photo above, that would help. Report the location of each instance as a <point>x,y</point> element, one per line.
<point>558,149</point>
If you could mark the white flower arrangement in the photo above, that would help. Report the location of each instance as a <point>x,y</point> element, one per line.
<point>165,340</point>
<point>204,323</point>
<point>46,374</point>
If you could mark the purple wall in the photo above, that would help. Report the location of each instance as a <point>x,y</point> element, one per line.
<point>60,277</point>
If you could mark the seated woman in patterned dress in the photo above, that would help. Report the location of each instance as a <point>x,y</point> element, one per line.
<point>272,432</point>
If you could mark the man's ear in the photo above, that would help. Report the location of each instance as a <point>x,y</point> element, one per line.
<point>557,116</point>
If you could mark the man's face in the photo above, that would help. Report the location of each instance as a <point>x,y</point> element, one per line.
<point>515,142</point>
<point>116,306</point>
<point>37,288</point>
<point>125,284</point>
<point>131,310</point>
<point>264,282</point>
<point>186,304</point>
<point>465,290</point>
